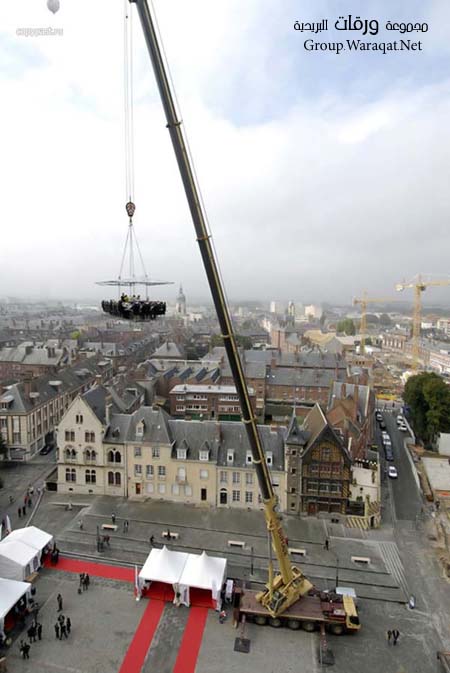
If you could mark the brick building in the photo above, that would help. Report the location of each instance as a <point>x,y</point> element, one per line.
<point>207,402</point>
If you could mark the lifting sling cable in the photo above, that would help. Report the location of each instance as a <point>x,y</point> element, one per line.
<point>128,103</point>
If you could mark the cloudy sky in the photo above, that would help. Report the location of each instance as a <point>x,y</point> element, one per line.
<point>322,174</point>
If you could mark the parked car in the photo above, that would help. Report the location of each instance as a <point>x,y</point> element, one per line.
<point>388,453</point>
<point>403,428</point>
<point>400,419</point>
<point>378,416</point>
<point>382,425</point>
<point>46,449</point>
<point>392,472</point>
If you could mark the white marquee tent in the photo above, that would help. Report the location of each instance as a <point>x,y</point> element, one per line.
<point>204,572</point>
<point>33,537</point>
<point>17,559</point>
<point>163,565</point>
<point>184,571</point>
<point>11,592</point>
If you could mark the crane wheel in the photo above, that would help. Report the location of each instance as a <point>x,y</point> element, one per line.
<point>293,624</point>
<point>275,622</point>
<point>260,620</point>
<point>308,626</point>
<point>337,629</point>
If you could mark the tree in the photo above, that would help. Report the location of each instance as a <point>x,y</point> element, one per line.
<point>385,320</point>
<point>245,342</point>
<point>347,326</point>
<point>428,396</point>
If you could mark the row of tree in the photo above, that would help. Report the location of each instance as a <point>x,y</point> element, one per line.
<point>428,398</point>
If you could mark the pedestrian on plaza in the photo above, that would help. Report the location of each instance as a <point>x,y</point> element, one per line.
<point>60,602</point>
<point>25,650</point>
<point>68,624</point>
<point>395,635</point>
<point>125,526</point>
<point>113,518</point>
<point>63,630</point>
<point>61,619</point>
<point>327,544</point>
<point>438,504</point>
<point>81,580</point>
<point>24,511</point>
<point>29,502</point>
<point>152,540</point>
<point>87,580</point>
<point>106,539</point>
<point>389,636</point>
<point>19,512</point>
<point>57,627</point>
<point>39,631</point>
<point>80,524</point>
<point>31,633</point>
<point>85,583</point>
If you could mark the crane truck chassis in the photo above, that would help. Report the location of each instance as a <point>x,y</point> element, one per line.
<point>315,609</point>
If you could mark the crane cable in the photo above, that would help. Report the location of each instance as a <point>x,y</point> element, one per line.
<point>128,106</point>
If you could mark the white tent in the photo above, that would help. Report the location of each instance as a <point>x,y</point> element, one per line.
<point>163,565</point>
<point>32,536</point>
<point>10,593</point>
<point>17,559</point>
<point>204,572</point>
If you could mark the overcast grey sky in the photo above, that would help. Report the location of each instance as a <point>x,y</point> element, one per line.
<point>322,174</point>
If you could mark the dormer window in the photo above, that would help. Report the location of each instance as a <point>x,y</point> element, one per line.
<point>204,455</point>
<point>140,427</point>
<point>181,454</point>
<point>249,458</point>
<point>230,456</point>
<point>269,458</point>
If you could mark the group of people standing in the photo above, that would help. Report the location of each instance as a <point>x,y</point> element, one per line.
<point>393,636</point>
<point>134,308</point>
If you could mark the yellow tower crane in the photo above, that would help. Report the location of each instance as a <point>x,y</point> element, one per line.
<point>419,285</point>
<point>363,301</point>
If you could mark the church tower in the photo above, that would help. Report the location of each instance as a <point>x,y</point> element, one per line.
<point>180,307</point>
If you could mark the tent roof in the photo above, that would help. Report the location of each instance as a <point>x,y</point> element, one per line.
<point>32,536</point>
<point>10,592</point>
<point>204,572</point>
<point>163,565</point>
<point>17,551</point>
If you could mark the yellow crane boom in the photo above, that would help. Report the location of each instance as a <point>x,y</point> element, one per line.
<point>363,301</point>
<point>419,285</point>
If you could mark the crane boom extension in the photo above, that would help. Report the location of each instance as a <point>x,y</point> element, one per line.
<point>287,587</point>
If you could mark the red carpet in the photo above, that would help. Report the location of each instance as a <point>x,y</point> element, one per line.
<point>192,639</point>
<point>139,646</point>
<point>95,569</point>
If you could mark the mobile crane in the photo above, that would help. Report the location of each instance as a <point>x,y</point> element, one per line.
<point>289,588</point>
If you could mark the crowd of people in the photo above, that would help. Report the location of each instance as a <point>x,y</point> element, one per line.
<point>134,308</point>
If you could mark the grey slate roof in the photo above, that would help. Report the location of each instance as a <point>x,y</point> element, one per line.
<point>311,378</point>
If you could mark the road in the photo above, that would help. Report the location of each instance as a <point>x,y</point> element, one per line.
<point>405,494</point>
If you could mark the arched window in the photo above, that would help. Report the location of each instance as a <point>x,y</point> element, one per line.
<point>91,455</point>
<point>70,453</point>
<point>71,474</point>
<point>90,476</point>
<point>111,457</point>
<point>111,478</point>
<point>118,479</point>
<point>118,457</point>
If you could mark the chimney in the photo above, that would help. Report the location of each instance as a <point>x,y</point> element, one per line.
<point>108,408</point>
<point>28,350</point>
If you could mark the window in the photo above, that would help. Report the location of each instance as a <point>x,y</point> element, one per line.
<point>70,453</point>
<point>155,452</point>
<point>138,470</point>
<point>90,477</point>
<point>181,454</point>
<point>204,474</point>
<point>269,458</point>
<point>336,489</point>
<point>314,469</point>
<point>114,457</point>
<point>326,454</point>
<point>312,486</point>
<point>140,427</point>
<point>149,488</point>
<point>89,436</point>
<point>236,477</point>
<point>137,452</point>
<point>249,478</point>
<point>175,489</point>
<point>230,456</point>
<point>204,455</point>
<point>91,456</point>
<point>79,419</point>
<point>161,489</point>
<point>161,471</point>
<point>223,477</point>
<point>71,475</point>
<point>188,491</point>
<point>149,471</point>
<point>114,478</point>
<point>336,468</point>
<point>236,496</point>
<point>248,497</point>
<point>69,435</point>
<point>248,458</point>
